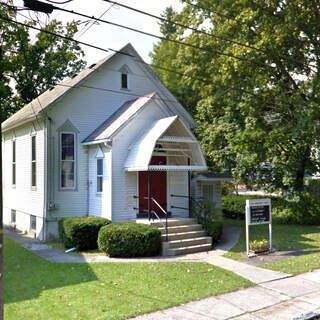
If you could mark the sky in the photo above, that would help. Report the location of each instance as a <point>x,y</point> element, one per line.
<point>107,36</point>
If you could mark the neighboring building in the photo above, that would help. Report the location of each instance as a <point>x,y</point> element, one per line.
<point>207,186</point>
<point>98,144</point>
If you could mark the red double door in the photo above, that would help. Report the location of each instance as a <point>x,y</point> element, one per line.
<point>158,186</point>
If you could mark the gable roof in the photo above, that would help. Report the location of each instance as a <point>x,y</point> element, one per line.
<point>141,150</point>
<point>212,176</point>
<point>112,124</point>
<point>40,104</point>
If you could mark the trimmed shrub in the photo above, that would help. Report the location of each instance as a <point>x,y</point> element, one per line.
<point>234,206</point>
<point>214,229</point>
<point>81,232</point>
<point>300,209</point>
<point>129,239</point>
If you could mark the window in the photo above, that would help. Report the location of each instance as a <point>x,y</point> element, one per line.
<point>33,162</point>
<point>13,216</point>
<point>67,157</point>
<point>124,80</point>
<point>207,192</point>
<point>13,162</point>
<point>99,175</point>
<point>33,223</point>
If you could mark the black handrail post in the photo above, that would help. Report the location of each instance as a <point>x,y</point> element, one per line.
<point>167,227</point>
<point>149,194</point>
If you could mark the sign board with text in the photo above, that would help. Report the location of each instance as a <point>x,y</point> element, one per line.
<point>258,211</point>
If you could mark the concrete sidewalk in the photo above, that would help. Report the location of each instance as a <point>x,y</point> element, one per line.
<point>284,299</point>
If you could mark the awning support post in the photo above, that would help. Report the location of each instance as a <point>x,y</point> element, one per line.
<point>189,190</point>
<point>149,215</point>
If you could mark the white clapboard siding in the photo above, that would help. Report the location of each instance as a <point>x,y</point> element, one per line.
<point>86,109</point>
<point>125,184</point>
<point>23,198</point>
<point>100,203</point>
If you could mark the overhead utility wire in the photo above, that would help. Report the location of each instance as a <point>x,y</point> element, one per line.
<point>182,25</point>
<point>158,37</point>
<point>198,30</point>
<point>127,54</point>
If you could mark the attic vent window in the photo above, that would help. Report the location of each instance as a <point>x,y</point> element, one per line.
<point>124,80</point>
<point>125,77</point>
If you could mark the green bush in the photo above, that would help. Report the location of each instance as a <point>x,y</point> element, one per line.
<point>129,239</point>
<point>81,232</point>
<point>301,209</point>
<point>214,229</point>
<point>234,206</point>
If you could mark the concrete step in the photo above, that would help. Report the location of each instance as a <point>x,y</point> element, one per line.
<point>184,235</point>
<point>174,222</point>
<point>188,249</point>
<point>180,229</point>
<point>189,242</point>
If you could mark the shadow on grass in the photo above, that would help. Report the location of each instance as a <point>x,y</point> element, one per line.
<point>27,275</point>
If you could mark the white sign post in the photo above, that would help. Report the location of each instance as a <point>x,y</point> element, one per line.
<point>258,211</point>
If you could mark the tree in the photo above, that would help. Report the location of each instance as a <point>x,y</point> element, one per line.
<point>164,55</point>
<point>35,65</point>
<point>257,78</point>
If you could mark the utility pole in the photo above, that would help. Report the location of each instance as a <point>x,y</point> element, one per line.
<point>1,203</point>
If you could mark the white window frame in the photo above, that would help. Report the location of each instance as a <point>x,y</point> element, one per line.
<point>74,161</point>
<point>210,187</point>
<point>34,161</point>
<point>99,175</point>
<point>14,163</point>
<point>13,214</point>
<point>35,219</point>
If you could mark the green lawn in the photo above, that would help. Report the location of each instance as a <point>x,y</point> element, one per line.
<point>37,289</point>
<point>59,246</point>
<point>284,237</point>
<point>296,265</point>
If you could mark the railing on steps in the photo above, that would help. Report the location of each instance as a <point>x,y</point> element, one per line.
<point>151,210</point>
<point>197,207</point>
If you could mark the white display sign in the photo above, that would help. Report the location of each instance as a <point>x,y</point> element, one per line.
<point>258,211</point>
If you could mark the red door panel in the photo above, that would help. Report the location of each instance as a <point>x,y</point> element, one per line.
<point>158,186</point>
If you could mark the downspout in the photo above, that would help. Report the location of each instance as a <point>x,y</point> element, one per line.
<point>45,179</point>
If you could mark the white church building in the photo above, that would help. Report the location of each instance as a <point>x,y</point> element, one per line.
<point>103,143</point>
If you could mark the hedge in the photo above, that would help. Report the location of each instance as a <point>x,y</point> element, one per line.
<point>304,209</point>
<point>81,232</point>
<point>233,207</point>
<point>214,229</point>
<point>129,239</point>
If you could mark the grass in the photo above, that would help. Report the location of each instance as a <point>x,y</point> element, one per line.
<point>37,289</point>
<point>284,237</point>
<point>296,265</point>
<point>59,246</point>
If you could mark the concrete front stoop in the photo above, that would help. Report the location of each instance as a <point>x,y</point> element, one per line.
<point>185,236</point>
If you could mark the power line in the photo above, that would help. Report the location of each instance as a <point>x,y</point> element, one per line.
<point>200,31</point>
<point>182,25</point>
<point>139,60</point>
<point>83,31</point>
<point>164,38</point>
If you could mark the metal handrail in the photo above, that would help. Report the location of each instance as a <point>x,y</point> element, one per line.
<point>203,211</point>
<point>160,207</point>
<point>165,212</point>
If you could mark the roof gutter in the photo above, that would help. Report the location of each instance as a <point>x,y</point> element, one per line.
<point>96,142</point>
